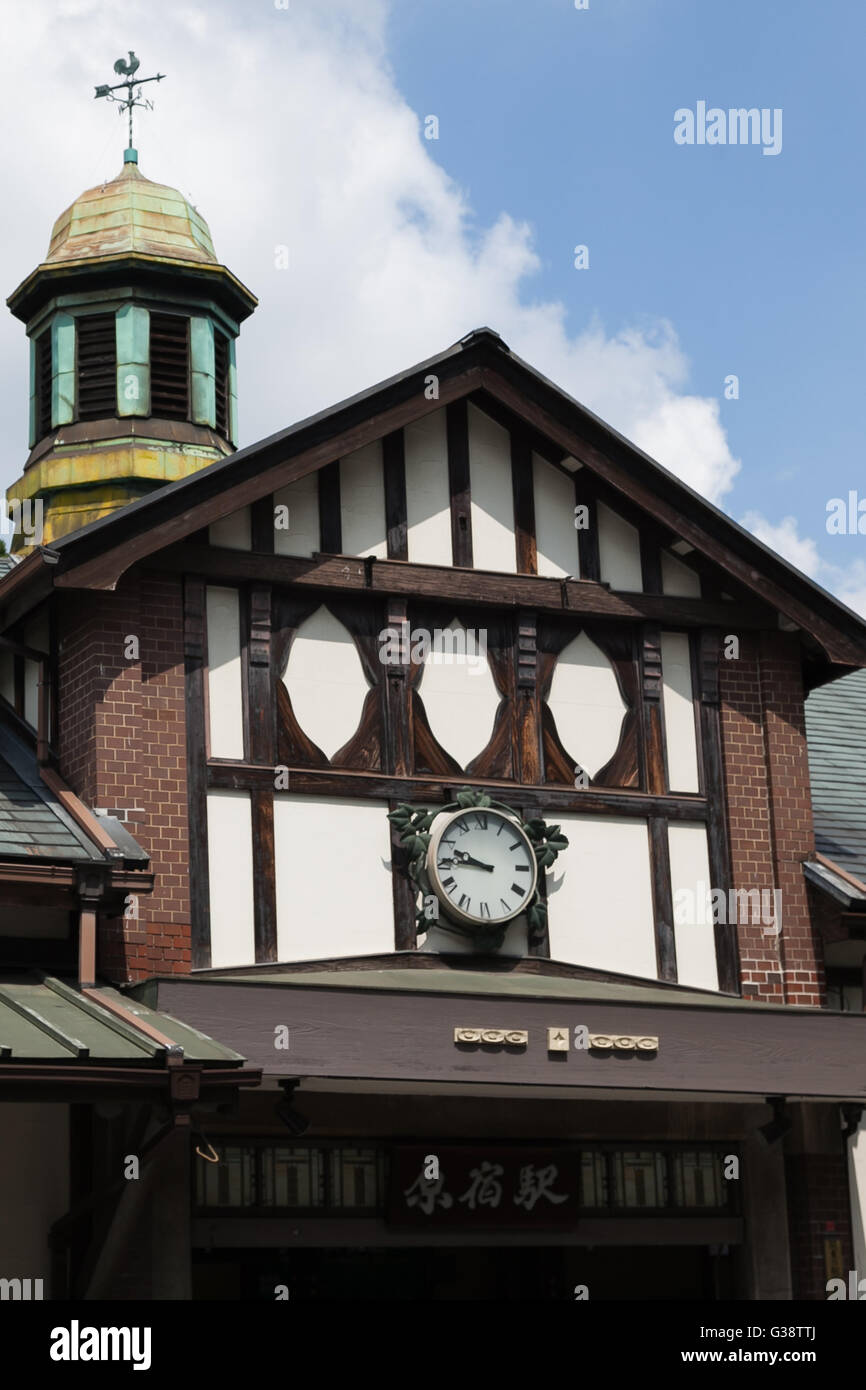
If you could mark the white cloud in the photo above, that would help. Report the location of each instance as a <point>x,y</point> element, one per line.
<point>847,582</point>
<point>286,127</point>
<point>784,538</point>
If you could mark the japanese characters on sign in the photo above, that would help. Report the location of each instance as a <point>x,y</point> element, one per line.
<point>494,1187</point>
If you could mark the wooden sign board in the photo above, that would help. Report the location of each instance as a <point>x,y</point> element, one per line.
<point>440,1186</point>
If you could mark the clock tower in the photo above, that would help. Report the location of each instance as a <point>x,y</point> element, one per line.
<point>132,323</point>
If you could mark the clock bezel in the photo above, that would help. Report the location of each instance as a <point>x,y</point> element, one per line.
<point>451,908</point>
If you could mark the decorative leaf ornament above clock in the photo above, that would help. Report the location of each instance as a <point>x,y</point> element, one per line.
<point>480,868</point>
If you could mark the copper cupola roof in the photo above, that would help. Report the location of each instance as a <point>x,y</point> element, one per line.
<point>130,214</point>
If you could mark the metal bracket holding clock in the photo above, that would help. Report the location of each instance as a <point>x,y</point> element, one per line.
<point>481,865</point>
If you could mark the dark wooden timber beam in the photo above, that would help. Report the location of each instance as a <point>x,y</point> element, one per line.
<point>394,474</point>
<point>837,646</point>
<point>710,734</point>
<point>32,879</point>
<point>457,432</point>
<point>103,571</point>
<point>666,950</point>
<point>485,587</point>
<point>522,486</point>
<point>223,773</point>
<point>81,1079</point>
<point>195,663</point>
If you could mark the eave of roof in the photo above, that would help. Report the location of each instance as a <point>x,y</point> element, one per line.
<point>480,350</point>
<point>44,1019</point>
<point>836,741</point>
<point>479,983</point>
<point>839,886</point>
<point>37,829</point>
<point>112,270</point>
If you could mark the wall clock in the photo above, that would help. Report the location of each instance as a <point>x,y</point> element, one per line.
<point>479,862</point>
<point>481,866</point>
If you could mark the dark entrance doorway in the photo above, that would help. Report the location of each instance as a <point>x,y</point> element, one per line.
<point>467,1273</point>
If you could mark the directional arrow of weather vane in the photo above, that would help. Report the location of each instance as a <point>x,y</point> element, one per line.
<point>132,87</point>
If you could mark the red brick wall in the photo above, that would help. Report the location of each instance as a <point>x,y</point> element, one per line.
<point>818,1207</point>
<point>770,813</point>
<point>791,802</point>
<point>123,749</point>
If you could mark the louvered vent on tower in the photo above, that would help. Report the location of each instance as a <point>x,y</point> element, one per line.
<point>97,367</point>
<point>43,383</point>
<point>169,366</point>
<point>221,375</point>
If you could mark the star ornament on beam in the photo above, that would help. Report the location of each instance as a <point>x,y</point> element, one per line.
<point>131,86</point>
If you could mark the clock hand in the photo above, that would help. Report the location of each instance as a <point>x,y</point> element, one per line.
<point>461,857</point>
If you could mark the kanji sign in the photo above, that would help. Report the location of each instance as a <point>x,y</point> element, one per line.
<point>495,1186</point>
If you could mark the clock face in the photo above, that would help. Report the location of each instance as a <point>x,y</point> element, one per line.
<point>482,866</point>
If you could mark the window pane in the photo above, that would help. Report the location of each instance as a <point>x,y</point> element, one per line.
<point>640,1179</point>
<point>699,1181</point>
<point>593,1180</point>
<point>356,1178</point>
<point>292,1177</point>
<point>229,1183</point>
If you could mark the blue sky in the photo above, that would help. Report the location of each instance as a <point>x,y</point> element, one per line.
<point>754,258</point>
<point>565,117</point>
<point>303,127</point>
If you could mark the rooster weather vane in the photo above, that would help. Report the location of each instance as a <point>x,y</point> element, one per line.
<point>132,86</point>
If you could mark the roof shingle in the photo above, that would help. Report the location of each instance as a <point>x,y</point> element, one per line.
<point>836,734</point>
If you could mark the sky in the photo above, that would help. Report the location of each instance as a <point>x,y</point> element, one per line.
<point>299,128</point>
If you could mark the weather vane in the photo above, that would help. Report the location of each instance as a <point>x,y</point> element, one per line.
<point>132,87</point>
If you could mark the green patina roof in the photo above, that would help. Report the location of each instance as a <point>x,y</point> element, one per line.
<point>836,733</point>
<point>43,1019</point>
<point>496,983</point>
<point>130,214</point>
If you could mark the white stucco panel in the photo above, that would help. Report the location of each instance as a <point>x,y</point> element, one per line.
<point>555,533</point>
<point>618,552</point>
<point>459,693</point>
<point>333,877</point>
<point>296,530</point>
<point>326,681</point>
<point>693,920</point>
<point>233,532</point>
<point>225,699</point>
<point>600,905</point>
<point>230,874</point>
<point>680,735</point>
<point>493,543</point>
<point>428,497</point>
<point>678,579</point>
<point>362,502</point>
<point>586,704</point>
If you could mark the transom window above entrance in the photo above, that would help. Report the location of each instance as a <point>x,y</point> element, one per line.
<point>381,1180</point>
